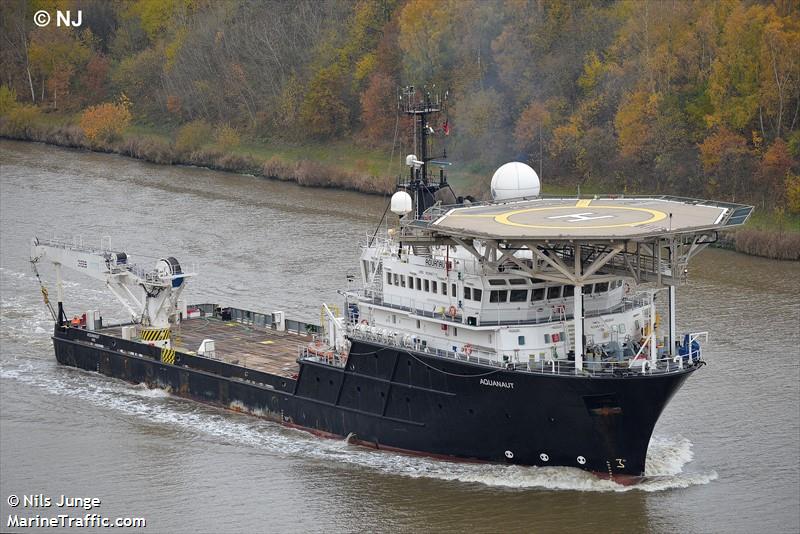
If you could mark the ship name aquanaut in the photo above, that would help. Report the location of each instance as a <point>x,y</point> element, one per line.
<point>519,330</point>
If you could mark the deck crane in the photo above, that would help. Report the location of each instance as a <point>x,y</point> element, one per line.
<point>149,295</point>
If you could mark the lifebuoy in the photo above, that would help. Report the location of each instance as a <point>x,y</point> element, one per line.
<point>452,311</point>
<point>467,349</point>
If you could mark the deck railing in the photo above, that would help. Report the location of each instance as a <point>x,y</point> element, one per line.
<point>511,360</point>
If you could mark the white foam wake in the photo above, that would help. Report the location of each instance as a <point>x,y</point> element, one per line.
<point>667,456</point>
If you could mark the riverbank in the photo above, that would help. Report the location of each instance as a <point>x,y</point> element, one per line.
<point>356,171</point>
<point>340,166</point>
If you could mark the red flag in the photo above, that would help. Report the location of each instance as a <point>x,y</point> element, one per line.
<point>446,128</point>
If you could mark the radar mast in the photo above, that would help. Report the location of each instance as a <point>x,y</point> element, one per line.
<point>423,187</point>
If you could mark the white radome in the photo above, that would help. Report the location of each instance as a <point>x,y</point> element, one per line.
<point>515,180</point>
<point>401,203</point>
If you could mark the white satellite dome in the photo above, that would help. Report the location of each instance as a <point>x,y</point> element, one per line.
<point>401,203</point>
<point>515,180</point>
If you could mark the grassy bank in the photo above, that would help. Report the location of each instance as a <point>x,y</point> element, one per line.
<point>341,165</point>
<point>344,165</point>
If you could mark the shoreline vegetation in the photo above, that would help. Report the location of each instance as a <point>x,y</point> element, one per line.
<point>768,234</point>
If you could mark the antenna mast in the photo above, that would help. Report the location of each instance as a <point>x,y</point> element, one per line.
<point>421,185</point>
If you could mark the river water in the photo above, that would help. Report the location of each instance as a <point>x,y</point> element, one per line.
<point>725,456</point>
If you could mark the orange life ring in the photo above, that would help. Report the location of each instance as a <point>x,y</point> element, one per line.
<point>452,311</point>
<point>467,349</point>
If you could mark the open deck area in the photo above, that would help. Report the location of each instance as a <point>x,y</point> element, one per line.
<point>255,347</point>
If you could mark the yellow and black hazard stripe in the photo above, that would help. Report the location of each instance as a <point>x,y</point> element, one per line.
<point>168,356</point>
<point>154,334</point>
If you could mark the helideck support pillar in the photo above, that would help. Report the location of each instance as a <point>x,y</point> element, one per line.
<point>577,318</point>
<point>672,327</point>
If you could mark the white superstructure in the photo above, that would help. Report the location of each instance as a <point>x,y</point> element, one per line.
<point>443,298</point>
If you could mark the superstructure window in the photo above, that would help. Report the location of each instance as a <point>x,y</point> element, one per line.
<point>496,282</point>
<point>477,294</point>
<point>569,291</point>
<point>419,284</point>
<point>427,285</point>
<point>444,288</point>
<point>454,292</point>
<point>411,282</point>
<point>601,287</point>
<point>467,293</point>
<point>519,295</point>
<point>388,278</point>
<point>434,289</point>
<point>402,280</point>
<point>553,292</point>
<point>396,279</point>
<point>498,296</point>
<point>517,281</point>
<point>537,294</point>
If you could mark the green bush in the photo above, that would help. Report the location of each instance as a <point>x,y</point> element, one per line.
<point>21,120</point>
<point>192,136</point>
<point>8,100</point>
<point>227,138</point>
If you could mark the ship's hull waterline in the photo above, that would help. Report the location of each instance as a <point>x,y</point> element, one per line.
<point>395,399</point>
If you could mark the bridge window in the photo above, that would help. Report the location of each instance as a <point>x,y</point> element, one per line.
<point>569,291</point>
<point>519,295</point>
<point>520,340</point>
<point>496,282</point>
<point>477,294</point>
<point>537,294</point>
<point>498,296</point>
<point>517,281</point>
<point>587,290</point>
<point>553,292</point>
<point>601,287</point>
<point>467,293</point>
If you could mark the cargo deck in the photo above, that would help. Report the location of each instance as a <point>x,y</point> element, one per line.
<point>255,347</point>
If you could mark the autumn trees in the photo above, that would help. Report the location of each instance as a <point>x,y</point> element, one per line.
<point>689,97</point>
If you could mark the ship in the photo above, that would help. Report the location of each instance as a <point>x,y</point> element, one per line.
<point>523,330</point>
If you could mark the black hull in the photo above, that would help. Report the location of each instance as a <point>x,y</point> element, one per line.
<point>393,399</point>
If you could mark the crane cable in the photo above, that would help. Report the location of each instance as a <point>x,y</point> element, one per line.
<point>45,295</point>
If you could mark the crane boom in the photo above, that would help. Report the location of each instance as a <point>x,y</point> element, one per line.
<point>149,295</point>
